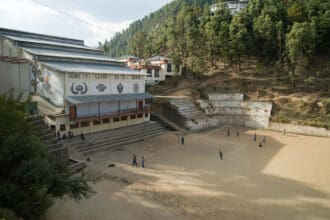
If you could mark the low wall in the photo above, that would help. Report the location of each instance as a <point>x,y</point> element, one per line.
<point>297,129</point>
<point>234,112</point>
<point>226,97</point>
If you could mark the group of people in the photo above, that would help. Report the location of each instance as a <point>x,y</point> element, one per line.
<point>229,132</point>
<point>65,136</point>
<point>261,143</point>
<point>134,162</point>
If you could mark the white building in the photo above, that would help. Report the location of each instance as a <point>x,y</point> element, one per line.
<point>233,6</point>
<point>158,68</point>
<point>92,91</point>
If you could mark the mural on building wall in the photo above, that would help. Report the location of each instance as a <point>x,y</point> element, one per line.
<point>120,88</point>
<point>43,79</point>
<point>100,88</point>
<point>136,87</point>
<point>79,88</point>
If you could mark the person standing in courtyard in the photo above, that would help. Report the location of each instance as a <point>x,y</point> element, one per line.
<point>255,136</point>
<point>237,134</point>
<point>82,136</point>
<point>134,163</point>
<point>220,154</point>
<point>58,135</point>
<point>142,162</point>
<point>264,140</point>
<point>182,140</point>
<point>228,132</point>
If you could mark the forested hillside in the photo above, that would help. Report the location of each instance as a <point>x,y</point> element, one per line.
<point>286,31</point>
<point>149,28</point>
<point>276,50</point>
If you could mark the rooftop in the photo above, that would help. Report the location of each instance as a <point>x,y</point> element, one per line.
<point>90,68</point>
<point>106,98</point>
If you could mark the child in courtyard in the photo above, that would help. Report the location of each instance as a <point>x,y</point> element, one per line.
<point>134,163</point>
<point>142,162</point>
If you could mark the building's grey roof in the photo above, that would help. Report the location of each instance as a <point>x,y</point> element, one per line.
<point>47,42</point>
<point>90,68</point>
<point>158,58</point>
<point>67,54</point>
<point>18,33</point>
<point>107,98</point>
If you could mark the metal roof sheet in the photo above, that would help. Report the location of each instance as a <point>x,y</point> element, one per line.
<point>20,33</point>
<point>67,54</point>
<point>49,42</point>
<point>107,98</point>
<point>90,68</point>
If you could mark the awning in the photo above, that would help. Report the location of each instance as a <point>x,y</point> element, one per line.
<point>107,98</point>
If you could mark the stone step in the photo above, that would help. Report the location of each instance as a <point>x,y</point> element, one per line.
<point>122,139</point>
<point>115,137</point>
<point>87,152</point>
<point>115,132</point>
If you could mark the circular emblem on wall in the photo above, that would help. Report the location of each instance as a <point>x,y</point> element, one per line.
<point>120,87</point>
<point>136,87</point>
<point>79,88</point>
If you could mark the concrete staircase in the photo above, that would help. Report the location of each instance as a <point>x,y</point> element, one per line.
<point>46,135</point>
<point>187,108</point>
<point>116,137</point>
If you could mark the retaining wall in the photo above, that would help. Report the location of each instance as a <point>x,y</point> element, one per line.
<point>297,129</point>
<point>226,97</point>
<point>236,112</point>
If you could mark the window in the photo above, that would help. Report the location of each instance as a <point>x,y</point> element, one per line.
<point>149,72</point>
<point>116,76</point>
<point>84,124</point>
<point>157,73</point>
<point>116,119</point>
<point>132,117</point>
<point>169,67</point>
<point>74,126</point>
<point>146,115</point>
<point>98,122</point>
<point>123,118</point>
<point>139,115</point>
<point>106,121</point>
<point>62,127</point>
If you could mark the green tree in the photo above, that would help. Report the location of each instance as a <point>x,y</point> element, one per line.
<point>138,43</point>
<point>238,39</point>
<point>29,176</point>
<point>301,43</point>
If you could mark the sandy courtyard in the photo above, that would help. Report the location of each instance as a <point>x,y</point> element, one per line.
<point>288,178</point>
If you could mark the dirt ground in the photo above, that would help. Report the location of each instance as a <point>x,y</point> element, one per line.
<point>288,178</point>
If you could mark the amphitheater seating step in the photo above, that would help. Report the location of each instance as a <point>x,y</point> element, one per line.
<point>120,136</point>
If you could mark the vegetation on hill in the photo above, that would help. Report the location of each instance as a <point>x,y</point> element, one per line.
<point>29,176</point>
<point>290,32</point>
<point>289,40</point>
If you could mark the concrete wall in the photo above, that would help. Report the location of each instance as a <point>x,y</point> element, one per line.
<point>297,129</point>
<point>221,109</point>
<point>226,97</point>
<point>231,109</point>
<point>14,75</point>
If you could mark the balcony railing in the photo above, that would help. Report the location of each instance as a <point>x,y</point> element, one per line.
<point>113,114</point>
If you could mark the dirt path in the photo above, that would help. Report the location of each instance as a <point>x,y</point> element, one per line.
<point>288,178</point>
